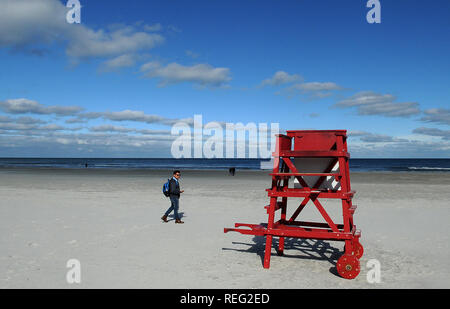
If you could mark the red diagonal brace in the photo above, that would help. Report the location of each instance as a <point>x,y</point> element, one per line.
<point>325,215</point>
<point>299,209</point>
<point>294,170</point>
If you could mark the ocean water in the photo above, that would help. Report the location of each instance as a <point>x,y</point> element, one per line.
<point>395,165</point>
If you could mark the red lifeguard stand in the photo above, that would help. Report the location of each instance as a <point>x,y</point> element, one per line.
<point>318,162</point>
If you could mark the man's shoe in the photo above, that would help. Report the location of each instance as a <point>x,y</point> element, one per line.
<point>179,221</point>
<point>164,218</point>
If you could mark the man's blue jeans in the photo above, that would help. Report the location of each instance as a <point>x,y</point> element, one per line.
<point>174,206</point>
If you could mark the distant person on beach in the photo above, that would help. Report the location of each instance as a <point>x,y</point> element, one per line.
<point>174,189</point>
<point>232,170</point>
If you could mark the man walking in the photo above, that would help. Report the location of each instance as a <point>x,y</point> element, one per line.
<point>174,190</point>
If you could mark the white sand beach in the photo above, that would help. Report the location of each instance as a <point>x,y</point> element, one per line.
<point>110,221</point>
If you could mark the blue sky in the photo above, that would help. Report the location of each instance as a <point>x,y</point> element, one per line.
<point>115,84</point>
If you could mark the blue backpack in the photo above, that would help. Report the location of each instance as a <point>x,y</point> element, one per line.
<point>166,188</point>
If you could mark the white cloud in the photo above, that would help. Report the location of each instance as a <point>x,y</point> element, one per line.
<point>357,133</point>
<point>445,134</point>
<point>26,25</point>
<point>373,145</point>
<point>23,120</point>
<point>32,128</point>
<point>405,109</point>
<point>133,116</point>
<point>121,129</point>
<point>129,115</point>
<point>371,103</point>
<point>375,138</point>
<point>87,43</point>
<point>280,78</point>
<point>16,126</point>
<point>117,63</point>
<point>25,106</point>
<point>380,138</point>
<point>59,144</point>
<point>140,116</point>
<point>404,149</point>
<point>311,90</point>
<point>317,86</point>
<point>366,98</point>
<point>173,73</point>
<point>111,128</point>
<point>24,22</point>
<point>437,115</point>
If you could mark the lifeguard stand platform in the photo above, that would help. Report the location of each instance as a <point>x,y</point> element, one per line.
<point>317,160</point>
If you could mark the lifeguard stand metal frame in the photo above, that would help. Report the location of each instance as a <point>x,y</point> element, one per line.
<point>297,145</point>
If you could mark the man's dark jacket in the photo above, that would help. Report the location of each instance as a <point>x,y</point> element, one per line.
<point>174,188</point>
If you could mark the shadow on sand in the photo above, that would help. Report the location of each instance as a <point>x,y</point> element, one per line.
<point>306,249</point>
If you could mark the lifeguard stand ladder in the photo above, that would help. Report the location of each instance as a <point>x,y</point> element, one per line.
<point>318,162</point>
